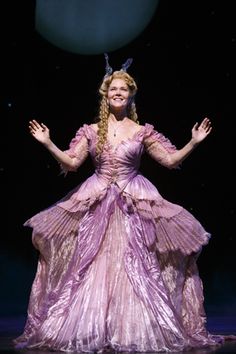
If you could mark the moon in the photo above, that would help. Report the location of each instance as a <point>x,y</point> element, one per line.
<point>92,26</point>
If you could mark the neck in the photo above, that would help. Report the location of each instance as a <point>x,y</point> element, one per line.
<point>117,116</point>
<point>114,123</point>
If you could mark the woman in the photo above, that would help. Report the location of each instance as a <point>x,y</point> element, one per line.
<point>117,267</point>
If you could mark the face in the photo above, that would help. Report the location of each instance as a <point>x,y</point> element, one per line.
<point>118,95</point>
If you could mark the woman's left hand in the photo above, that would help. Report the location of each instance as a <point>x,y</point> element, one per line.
<point>202,130</point>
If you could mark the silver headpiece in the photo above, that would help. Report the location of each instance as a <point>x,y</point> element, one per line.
<point>109,69</point>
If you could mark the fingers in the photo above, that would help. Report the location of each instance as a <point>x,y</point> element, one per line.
<point>206,123</point>
<point>202,129</point>
<point>34,126</point>
<point>209,130</point>
<point>195,126</point>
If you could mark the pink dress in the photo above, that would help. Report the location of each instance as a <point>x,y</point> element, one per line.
<point>117,266</point>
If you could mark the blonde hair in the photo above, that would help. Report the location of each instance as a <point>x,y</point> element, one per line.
<point>104,107</point>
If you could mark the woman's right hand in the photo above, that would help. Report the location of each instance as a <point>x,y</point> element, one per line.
<point>39,131</point>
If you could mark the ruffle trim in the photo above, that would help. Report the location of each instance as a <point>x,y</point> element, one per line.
<point>150,132</point>
<point>173,227</point>
<point>81,132</point>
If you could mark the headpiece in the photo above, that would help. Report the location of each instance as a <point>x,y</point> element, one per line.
<point>109,69</point>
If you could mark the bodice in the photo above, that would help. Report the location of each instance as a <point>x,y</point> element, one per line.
<point>118,164</point>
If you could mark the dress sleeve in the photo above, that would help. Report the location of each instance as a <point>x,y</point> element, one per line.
<point>78,149</point>
<point>158,146</point>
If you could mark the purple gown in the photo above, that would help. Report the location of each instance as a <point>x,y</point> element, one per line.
<point>117,266</point>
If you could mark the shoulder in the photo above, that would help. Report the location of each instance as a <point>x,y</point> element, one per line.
<point>145,129</point>
<point>135,127</point>
<point>88,130</point>
<point>145,125</point>
<point>94,127</point>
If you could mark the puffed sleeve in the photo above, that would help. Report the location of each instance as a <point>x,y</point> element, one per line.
<point>158,146</point>
<point>78,149</point>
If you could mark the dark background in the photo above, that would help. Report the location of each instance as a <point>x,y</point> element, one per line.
<point>184,67</point>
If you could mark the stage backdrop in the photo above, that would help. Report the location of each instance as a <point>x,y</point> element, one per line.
<point>184,70</point>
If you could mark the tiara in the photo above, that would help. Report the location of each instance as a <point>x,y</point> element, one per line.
<point>109,70</point>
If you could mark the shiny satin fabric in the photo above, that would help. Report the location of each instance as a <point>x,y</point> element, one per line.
<point>117,262</point>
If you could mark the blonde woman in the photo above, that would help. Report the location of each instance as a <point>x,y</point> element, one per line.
<point>117,266</point>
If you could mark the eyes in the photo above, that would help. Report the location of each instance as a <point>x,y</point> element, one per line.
<point>124,89</point>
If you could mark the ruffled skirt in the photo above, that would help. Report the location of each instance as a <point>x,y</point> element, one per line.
<point>105,281</point>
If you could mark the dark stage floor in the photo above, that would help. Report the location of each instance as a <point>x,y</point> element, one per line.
<point>11,327</point>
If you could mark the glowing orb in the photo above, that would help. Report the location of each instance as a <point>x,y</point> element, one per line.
<point>92,26</point>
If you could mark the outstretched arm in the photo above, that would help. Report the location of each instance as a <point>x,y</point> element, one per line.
<point>42,134</point>
<point>199,133</point>
<point>172,158</point>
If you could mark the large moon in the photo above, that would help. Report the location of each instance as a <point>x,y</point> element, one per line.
<point>92,26</point>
